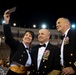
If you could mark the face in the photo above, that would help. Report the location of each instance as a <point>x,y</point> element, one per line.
<point>27,39</point>
<point>61,25</point>
<point>43,36</point>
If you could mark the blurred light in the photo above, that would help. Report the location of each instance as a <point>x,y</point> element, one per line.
<point>3,22</point>
<point>34,26</point>
<point>3,37</point>
<point>43,25</point>
<point>73,25</point>
<point>14,24</point>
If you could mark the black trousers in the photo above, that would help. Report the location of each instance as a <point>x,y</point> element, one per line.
<point>13,73</point>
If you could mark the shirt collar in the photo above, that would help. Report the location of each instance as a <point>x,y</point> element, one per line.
<point>45,43</point>
<point>66,32</point>
<point>25,45</point>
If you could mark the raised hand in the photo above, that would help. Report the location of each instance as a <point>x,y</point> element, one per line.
<point>6,16</point>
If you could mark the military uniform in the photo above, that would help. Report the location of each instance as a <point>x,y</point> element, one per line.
<point>69,51</point>
<point>18,54</point>
<point>49,61</point>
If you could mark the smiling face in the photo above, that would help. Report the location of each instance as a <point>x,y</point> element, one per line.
<point>28,37</point>
<point>62,25</point>
<point>43,35</point>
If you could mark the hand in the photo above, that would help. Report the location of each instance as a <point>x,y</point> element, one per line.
<point>67,71</point>
<point>6,16</point>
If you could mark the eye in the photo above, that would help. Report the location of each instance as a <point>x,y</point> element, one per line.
<point>58,23</point>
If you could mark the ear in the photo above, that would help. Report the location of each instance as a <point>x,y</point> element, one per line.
<point>48,37</point>
<point>67,23</point>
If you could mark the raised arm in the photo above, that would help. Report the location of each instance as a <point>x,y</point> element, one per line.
<point>7,30</point>
<point>6,16</point>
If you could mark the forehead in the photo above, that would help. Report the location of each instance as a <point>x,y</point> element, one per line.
<point>60,20</point>
<point>27,33</point>
<point>43,30</point>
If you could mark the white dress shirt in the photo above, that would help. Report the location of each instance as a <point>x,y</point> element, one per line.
<point>40,54</point>
<point>28,63</point>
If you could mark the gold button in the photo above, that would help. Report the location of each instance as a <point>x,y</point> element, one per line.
<point>43,72</point>
<point>21,55</point>
<point>45,66</point>
<point>38,72</point>
<point>70,62</point>
<point>74,63</point>
<point>23,51</point>
<point>43,60</point>
<point>33,70</point>
<point>20,59</point>
<point>71,54</point>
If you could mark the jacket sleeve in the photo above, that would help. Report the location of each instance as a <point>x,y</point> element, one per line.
<point>8,36</point>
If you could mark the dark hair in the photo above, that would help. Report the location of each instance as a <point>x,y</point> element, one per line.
<point>31,32</point>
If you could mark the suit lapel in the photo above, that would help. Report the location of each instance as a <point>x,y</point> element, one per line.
<point>66,45</point>
<point>36,56</point>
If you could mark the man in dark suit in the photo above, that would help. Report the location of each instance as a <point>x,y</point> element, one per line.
<point>45,56</point>
<point>68,47</point>
<point>20,57</point>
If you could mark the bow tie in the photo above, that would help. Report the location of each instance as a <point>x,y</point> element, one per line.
<point>44,45</point>
<point>62,37</point>
<point>27,48</point>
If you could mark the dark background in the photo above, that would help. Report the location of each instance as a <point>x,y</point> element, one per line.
<point>31,12</point>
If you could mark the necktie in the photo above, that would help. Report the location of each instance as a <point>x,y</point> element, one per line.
<point>44,45</point>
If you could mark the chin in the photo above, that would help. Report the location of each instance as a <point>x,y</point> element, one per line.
<point>27,42</point>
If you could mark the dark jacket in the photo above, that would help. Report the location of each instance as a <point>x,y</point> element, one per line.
<point>70,51</point>
<point>18,52</point>
<point>46,66</point>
